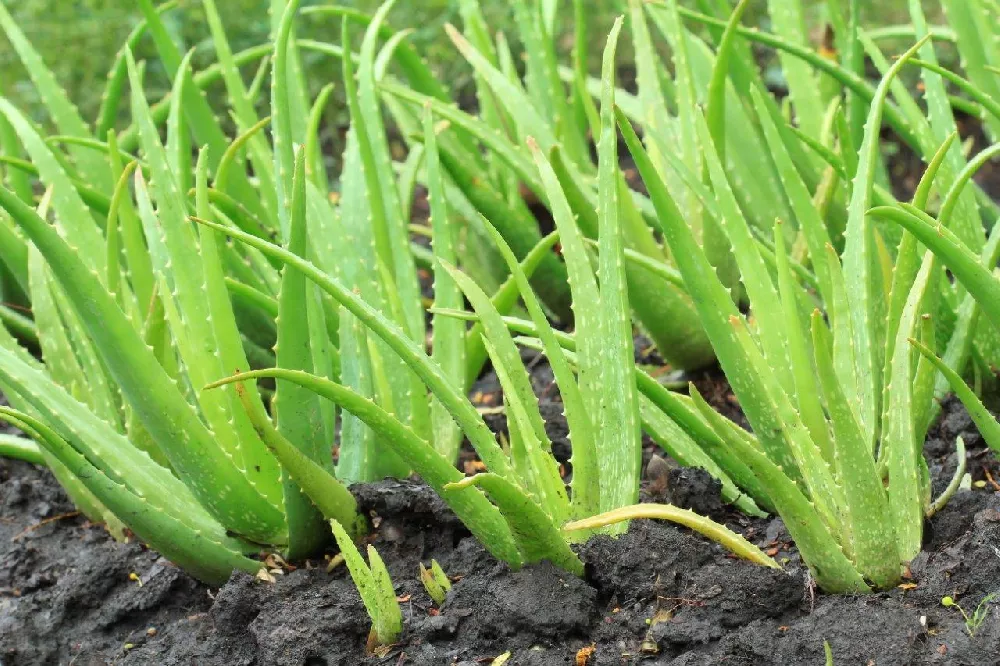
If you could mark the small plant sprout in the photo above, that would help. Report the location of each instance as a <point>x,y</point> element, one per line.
<point>974,621</point>
<point>374,586</point>
<point>435,581</point>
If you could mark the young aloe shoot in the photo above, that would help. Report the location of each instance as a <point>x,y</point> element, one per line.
<point>435,581</point>
<point>374,586</point>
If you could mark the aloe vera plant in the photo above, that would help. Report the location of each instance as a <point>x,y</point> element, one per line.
<point>529,515</point>
<point>838,414</point>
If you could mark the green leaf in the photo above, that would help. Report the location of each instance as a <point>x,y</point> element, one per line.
<point>297,410</point>
<point>538,538</point>
<point>373,585</point>
<point>471,506</point>
<point>208,559</point>
<point>448,342</point>
<point>618,445</point>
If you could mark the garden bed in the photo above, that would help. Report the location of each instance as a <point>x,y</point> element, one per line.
<point>659,595</point>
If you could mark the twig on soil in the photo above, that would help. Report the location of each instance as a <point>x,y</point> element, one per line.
<point>989,477</point>
<point>46,521</point>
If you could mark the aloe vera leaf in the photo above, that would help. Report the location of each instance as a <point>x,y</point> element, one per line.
<point>400,258</point>
<point>242,105</point>
<point>707,527</point>
<point>17,179</point>
<point>907,255</point>
<point>582,282</point>
<point>205,557</point>
<point>178,145</point>
<point>803,86</point>
<point>806,389</point>
<point>586,485</point>
<point>504,300</point>
<point>977,48</point>
<point>30,389</point>
<point>369,590</point>
<point>686,451</point>
<point>498,145</point>
<point>868,525</point>
<point>619,440</point>
<point>282,101</point>
<point>901,448</point>
<point>809,220</point>
<point>174,250</point>
<point>448,342</point>
<point>715,113</point>
<point>942,123</point>
<point>61,360</point>
<point>112,94</point>
<point>518,228</point>
<point>14,255</point>
<point>755,275</point>
<point>513,98</point>
<point>542,75</point>
<point>655,116</point>
<point>669,23</point>
<point>129,137</point>
<point>297,411</point>
<point>225,330</point>
<point>199,115</point>
<point>959,347</point>
<point>983,418</point>
<point>390,617</point>
<point>282,14</point>
<point>862,279</point>
<point>956,480</point>
<point>21,448</point>
<point>93,382</point>
<point>826,560</point>
<point>660,410</point>
<point>986,103</point>
<point>63,113</point>
<point>843,75</point>
<point>314,156</point>
<point>359,459</point>
<point>174,425</point>
<point>684,345</point>
<point>73,216</point>
<point>965,265</point>
<point>714,304</point>
<point>472,507</point>
<point>111,232</point>
<point>543,478</point>
<point>419,75</point>
<point>411,353</point>
<point>140,272</point>
<point>538,538</point>
<point>329,497</point>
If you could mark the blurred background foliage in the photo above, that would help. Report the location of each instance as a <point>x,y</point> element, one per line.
<point>79,38</point>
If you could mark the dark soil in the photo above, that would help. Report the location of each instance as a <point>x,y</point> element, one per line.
<point>660,594</point>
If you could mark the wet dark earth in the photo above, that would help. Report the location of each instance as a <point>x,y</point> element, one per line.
<point>69,594</point>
